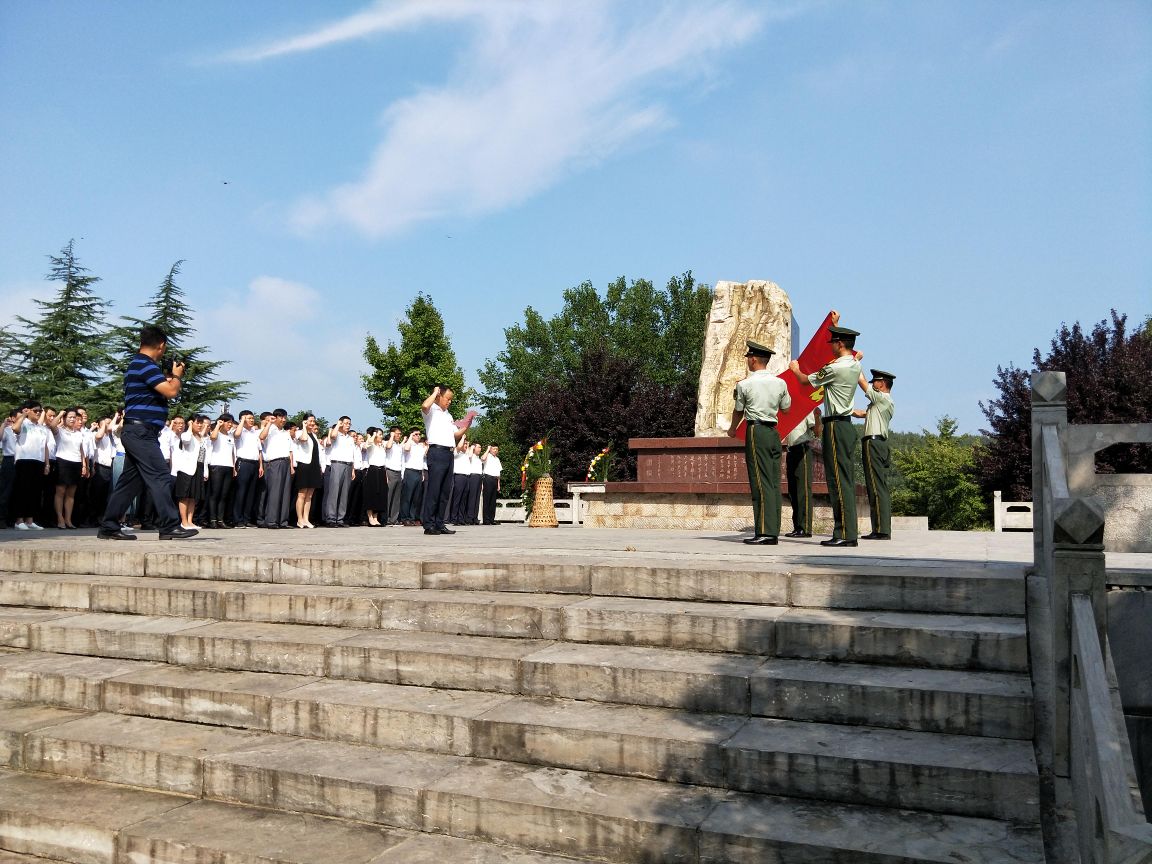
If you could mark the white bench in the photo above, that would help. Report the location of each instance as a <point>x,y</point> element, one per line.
<point>1011,515</point>
<point>512,510</point>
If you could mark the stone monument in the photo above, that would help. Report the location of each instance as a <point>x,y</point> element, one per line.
<point>758,310</point>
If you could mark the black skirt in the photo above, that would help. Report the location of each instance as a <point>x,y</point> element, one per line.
<point>309,476</point>
<point>190,485</point>
<point>375,488</point>
<point>68,473</point>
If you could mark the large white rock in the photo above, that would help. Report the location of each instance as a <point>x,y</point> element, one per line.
<point>757,310</point>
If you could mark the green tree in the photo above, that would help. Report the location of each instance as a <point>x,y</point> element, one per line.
<point>170,312</point>
<point>61,356</point>
<point>939,481</point>
<point>403,376</point>
<point>654,337</point>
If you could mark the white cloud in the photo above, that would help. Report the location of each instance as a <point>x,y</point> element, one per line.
<point>19,299</point>
<point>545,88</point>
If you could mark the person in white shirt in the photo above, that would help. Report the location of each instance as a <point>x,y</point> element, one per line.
<point>30,465</point>
<point>190,465</point>
<point>221,469</point>
<point>356,514</point>
<point>7,464</point>
<point>412,497</point>
<point>71,464</point>
<point>461,471</point>
<point>375,475</point>
<point>309,471</point>
<point>278,453</point>
<point>247,439</point>
<point>491,482</point>
<point>82,508</point>
<point>472,495</point>
<point>338,480</point>
<point>100,467</point>
<point>394,473</point>
<point>442,435</point>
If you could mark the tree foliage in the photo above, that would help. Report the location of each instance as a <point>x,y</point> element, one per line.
<point>939,481</point>
<point>62,356</point>
<point>602,370</point>
<point>402,376</point>
<point>1108,382</point>
<point>171,313</point>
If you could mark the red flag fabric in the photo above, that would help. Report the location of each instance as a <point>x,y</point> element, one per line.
<point>816,355</point>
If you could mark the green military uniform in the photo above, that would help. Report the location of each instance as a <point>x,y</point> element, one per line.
<point>798,470</point>
<point>839,380</point>
<point>761,396</point>
<point>877,458</point>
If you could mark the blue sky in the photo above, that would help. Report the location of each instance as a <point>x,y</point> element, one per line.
<point>956,178</point>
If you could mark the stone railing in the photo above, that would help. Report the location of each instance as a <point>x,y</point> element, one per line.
<point>1081,744</point>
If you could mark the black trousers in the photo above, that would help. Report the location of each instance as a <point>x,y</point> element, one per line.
<point>28,480</point>
<point>246,472</point>
<point>798,466</point>
<point>278,486</point>
<point>412,495</point>
<point>143,467</point>
<point>99,488</point>
<point>459,484</point>
<point>488,487</point>
<point>472,500</point>
<point>7,481</point>
<point>219,485</point>
<point>438,488</point>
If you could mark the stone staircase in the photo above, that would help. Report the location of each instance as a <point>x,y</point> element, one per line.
<point>228,709</point>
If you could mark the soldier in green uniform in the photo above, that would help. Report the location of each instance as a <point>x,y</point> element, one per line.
<point>798,470</point>
<point>759,398</point>
<point>839,379</point>
<point>874,450</point>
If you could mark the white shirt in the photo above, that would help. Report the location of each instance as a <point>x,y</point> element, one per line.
<point>51,441</point>
<point>414,457</point>
<point>106,449</point>
<point>168,440</point>
<point>377,455</point>
<point>222,450</point>
<point>248,444</point>
<point>477,465</point>
<point>394,458</point>
<point>31,442</point>
<point>359,463</point>
<point>303,445</point>
<point>8,442</point>
<point>187,452</point>
<point>343,449</point>
<point>462,463</point>
<point>492,466</point>
<point>88,443</point>
<point>439,427</point>
<point>68,444</point>
<point>277,444</point>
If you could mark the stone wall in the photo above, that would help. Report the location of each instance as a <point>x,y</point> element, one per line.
<point>757,310</point>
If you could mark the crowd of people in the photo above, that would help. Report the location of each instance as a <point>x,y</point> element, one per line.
<point>59,470</point>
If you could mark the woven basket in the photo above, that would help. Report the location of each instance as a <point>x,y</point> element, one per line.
<point>543,505</point>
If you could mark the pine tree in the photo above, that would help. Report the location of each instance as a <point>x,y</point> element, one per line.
<point>61,356</point>
<point>402,377</point>
<point>171,313</point>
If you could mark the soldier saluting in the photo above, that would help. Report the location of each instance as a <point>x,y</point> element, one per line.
<point>839,379</point>
<point>759,398</point>
<point>874,450</point>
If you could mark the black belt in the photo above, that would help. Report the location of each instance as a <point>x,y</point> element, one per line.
<point>277,459</point>
<point>442,446</point>
<point>832,418</point>
<point>242,459</point>
<point>137,422</point>
<point>762,423</point>
<point>874,437</point>
<point>339,462</point>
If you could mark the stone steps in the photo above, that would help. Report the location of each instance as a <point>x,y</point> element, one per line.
<point>534,808</point>
<point>989,590</point>
<point>965,775</point>
<point>935,700</point>
<point>977,642</point>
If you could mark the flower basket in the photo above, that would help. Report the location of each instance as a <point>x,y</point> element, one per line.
<point>544,505</point>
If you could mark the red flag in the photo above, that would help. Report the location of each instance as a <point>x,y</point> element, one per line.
<point>816,355</point>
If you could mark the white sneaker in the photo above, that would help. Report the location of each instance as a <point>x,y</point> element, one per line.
<point>20,526</point>
<point>35,527</point>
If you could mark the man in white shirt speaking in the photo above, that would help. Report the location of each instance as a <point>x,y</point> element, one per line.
<point>442,434</point>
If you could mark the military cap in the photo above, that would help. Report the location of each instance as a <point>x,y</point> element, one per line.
<point>755,349</point>
<point>881,374</point>
<point>843,334</point>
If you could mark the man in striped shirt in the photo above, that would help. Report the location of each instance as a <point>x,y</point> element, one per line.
<point>146,393</point>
